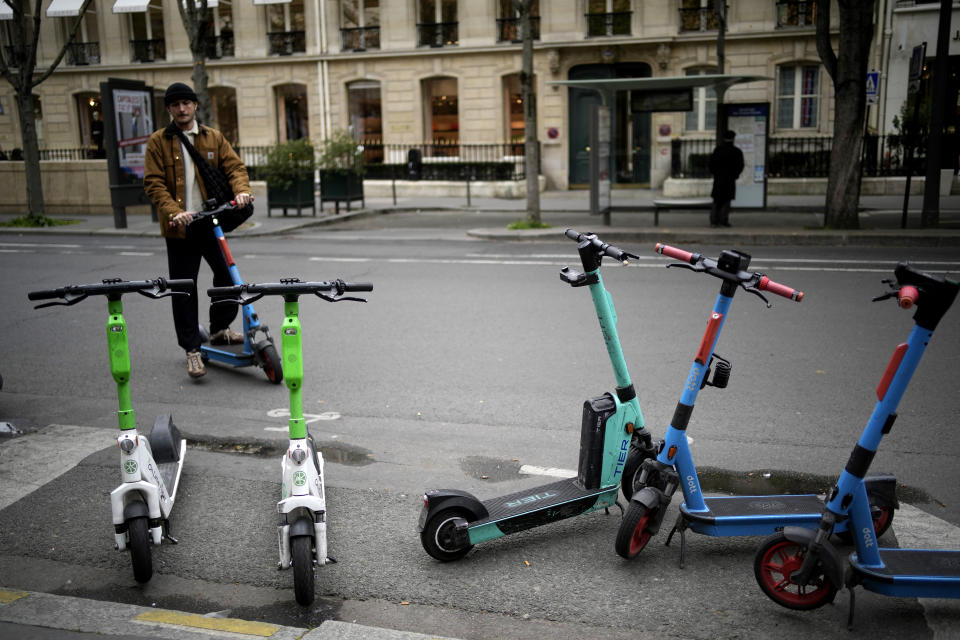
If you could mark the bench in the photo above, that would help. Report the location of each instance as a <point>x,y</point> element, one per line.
<point>678,203</point>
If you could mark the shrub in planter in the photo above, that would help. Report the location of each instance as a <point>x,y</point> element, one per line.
<point>341,170</point>
<point>288,172</point>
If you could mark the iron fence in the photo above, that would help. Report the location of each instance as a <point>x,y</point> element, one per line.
<point>148,50</point>
<point>285,43</point>
<point>807,157</point>
<point>360,38</point>
<point>83,53</point>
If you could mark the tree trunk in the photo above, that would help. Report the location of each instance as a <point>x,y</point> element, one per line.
<point>531,147</point>
<point>31,155</point>
<point>200,86</point>
<point>848,69</point>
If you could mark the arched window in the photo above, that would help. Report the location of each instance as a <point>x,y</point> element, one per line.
<point>224,111</point>
<point>90,123</point>
<point>441,121</point>
<point>293,117</point>
<point>366,119</point>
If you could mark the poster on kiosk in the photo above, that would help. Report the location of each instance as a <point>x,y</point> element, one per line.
<point>750,122</point>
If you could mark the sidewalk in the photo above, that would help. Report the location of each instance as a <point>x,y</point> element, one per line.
<point>791,220</point>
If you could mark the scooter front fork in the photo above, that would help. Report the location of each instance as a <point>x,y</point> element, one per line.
<point>304,524</point>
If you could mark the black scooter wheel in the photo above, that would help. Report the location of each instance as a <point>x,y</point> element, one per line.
<point>634,532</point>
<point>301,552</point>
<point>271,363</point>
<point>138,531</point>
<point>775,562</point>
<point>437,537</point>
<point>630,480</point>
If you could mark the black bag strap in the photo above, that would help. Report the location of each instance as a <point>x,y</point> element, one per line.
<point>216,183</point>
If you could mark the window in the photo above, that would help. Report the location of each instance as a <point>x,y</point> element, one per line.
<point>796,13</point>
<point>798,96</point>
<point>698,15</point>
<point>218,40</point>
<point>366,121</point>
<point>704,114</point>
<point>359,25</point>
<point>90,120</point>
<point>508,22</point>
<point>147,44</point>
<point>608,18</point>
<point>85,48</point>
<point>286,24</point>
<point>441,115</point>
<point>293,118</point>
<point>437,23</point>
<point>514,113</point>
<point>223,103</point>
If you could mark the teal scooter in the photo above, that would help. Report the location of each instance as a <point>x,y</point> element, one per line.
<point>612,431</point>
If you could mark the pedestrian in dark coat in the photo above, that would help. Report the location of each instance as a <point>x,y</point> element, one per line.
<point>726,165</point>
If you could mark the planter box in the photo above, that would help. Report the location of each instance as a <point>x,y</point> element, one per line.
<point>339,186</point>
<point>300,195</point>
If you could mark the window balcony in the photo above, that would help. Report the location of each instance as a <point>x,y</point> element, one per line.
<point>439,34</point>
<point>608,24</point>
<point>285,43</point>
<point>148,50</point>
<point>360,38</point>
<point>699,19</point>
<point>796,14</point>
<point>508,29</point>
<point>83,53</point>
<point>217,47</point>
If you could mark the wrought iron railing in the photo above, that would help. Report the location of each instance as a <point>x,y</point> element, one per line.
<point>437,160</point>
<point>83,53</point>
<point>217,47</point>
<point>285,43</point>
<point>360,38</point>
<point>805,157</point>
<point>796,13</point>
<point>698,19</point>
<point>438,34</point>
<point>148,50</point>
<point>608,24</point>
<point>508,29</point>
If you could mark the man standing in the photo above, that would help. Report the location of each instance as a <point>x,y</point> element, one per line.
<point>176,189</point>
<point>726,165</point>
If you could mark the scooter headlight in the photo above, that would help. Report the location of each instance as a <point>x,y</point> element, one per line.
<point>298,456</point>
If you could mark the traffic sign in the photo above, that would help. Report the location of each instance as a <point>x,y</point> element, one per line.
<point>873,87</point>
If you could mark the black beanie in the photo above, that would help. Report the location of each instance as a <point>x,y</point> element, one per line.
<point>178,91</point>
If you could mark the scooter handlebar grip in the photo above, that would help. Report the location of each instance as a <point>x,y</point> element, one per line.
<point>45,294</point>
<point>673,252</point>
<point>358,286</point>
<point>182,284</point>
<point>766,284</point>
<point>907,296</point>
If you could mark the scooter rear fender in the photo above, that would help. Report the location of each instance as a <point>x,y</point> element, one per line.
<point>439,499</point>
<point>829,558</point>
<point>884,487</point>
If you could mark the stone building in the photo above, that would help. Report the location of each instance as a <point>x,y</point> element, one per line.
<point>405,72</point>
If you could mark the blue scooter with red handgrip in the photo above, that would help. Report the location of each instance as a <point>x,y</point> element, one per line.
<point>658,479</point>
<point>799,568</point>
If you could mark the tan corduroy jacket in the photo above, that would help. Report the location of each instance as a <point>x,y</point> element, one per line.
<point>163,178</point>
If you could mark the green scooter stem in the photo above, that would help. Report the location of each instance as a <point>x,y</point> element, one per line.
<point>291,346</point>
<point>120,362</point>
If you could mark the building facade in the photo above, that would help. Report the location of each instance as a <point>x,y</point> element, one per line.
<point>405,72</point>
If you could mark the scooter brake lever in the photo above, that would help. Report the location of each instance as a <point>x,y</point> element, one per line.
<point>324,296</point>
<point>698,268</point>
<point>68,300</point>
<point>757,293</point>
<point>156,295</point>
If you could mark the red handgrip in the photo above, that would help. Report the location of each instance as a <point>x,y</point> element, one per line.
<point>766,284</point>
<point>673,252</point>
<point>907,296</point>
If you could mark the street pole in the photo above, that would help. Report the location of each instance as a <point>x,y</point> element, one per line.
<point>720,9</point>
<point>930,216</point>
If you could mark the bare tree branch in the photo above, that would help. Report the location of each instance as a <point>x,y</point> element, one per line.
<point>824,46</point>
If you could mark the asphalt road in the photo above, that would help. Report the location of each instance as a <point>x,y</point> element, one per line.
<point>469,360</point>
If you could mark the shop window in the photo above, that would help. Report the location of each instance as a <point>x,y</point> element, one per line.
<point>441,116</point>
<point>293,118</point>
<point>366,124</point>
<point>224,110</point>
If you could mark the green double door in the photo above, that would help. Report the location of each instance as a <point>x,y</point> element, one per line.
<point>630,132</point>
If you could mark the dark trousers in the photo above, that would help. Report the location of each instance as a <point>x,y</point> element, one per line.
<point>183,261</point>
<point>720,212</point>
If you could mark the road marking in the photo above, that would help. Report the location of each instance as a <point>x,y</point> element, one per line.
<point>6,597</point>
<point>136,253</point>
<point>308,418</point>
<point>39,244</point>
<point>531,470</point>
<point>231,625</point>
<point>56,449</point>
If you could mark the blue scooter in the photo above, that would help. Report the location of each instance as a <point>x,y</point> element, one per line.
<point>799,568</point>
<point>253,352</point>
<point>656,480</point>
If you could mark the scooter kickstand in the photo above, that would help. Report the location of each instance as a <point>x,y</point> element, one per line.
<point>166,533</point>
<point>850,612</point>
<point>617,504</point>
<point>681,526</point>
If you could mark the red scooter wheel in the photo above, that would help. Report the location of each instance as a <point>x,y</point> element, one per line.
<point>773,566</point>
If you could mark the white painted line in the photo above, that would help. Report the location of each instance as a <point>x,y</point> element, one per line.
<point>39,244</point>
<point>136,253</point>
<point>308,418</point>
<point>531,470</point>
<point>54,450</point>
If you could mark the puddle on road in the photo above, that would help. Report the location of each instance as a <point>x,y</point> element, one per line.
<point>490,469</point>
<point>336,452</point>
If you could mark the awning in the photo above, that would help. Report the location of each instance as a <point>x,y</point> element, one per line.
<point>271,1</point>
<point>130,6</point>
<point>610,86</point>
<point>6,12</point>
<point>64,8</point>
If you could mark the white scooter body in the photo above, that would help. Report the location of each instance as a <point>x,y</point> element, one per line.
<point>302,497</point>
<point>145,479</point>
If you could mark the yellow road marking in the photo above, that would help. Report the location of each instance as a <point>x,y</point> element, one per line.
<point>232,625</point>
<point>7,597</point>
